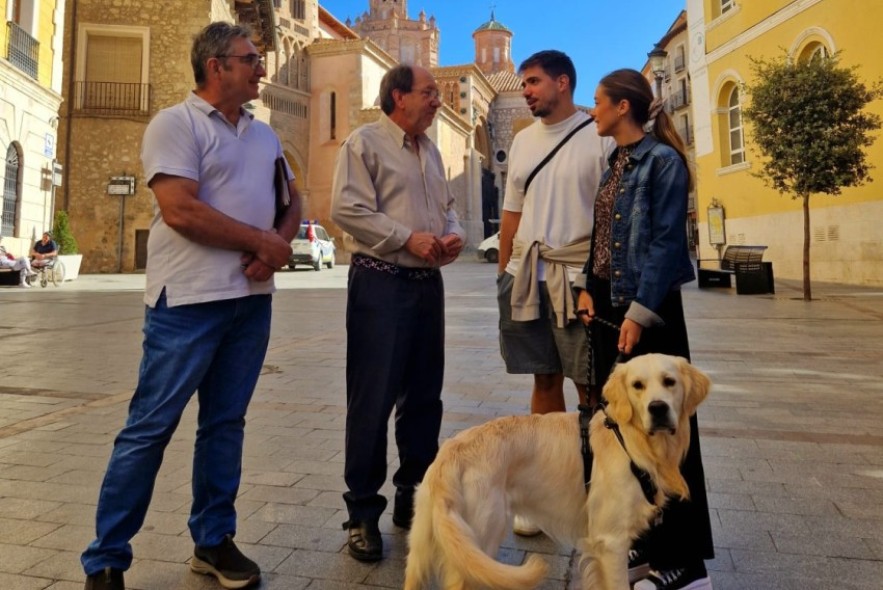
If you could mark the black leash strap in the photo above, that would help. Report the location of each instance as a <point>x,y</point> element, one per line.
<point>555,151</point>
<point>585,415</point>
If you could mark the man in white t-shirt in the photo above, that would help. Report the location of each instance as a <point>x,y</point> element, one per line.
<point>545,234</point>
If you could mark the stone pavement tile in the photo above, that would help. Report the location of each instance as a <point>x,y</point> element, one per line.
<point>780,505</point>
<point>10,457</point>
<point>259,477</point>
<point>339,585</point>
<point>322,482</point>
<point>14,582</point>
<point>328,500</point>
<point>161,547</point>
<point>869,509</point>
<point>839,525</point>
<point>66,586</point>
<point>823,545</point>
<point>68,537</point>
<point>310,538</point>
<point>748,521</point>
<point>740,486</point>
<point>813,571</point>
<point>324,566</point>
<point>69,513</point>
<point>65,565</point>
<point>391,575</point>
<point>24,508</point>
<point>17,558</point>
<point>731,501</point>
<point>291,514</point>
<point>876,546</point>
<point>24,532</point>
<point>53,492</point>
<point>314,467</point>
<point>252,530</point>
<point>164,523</point>
<point>280,494</point>
<point>741,538</point>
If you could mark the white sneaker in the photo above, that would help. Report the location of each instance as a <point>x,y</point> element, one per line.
<point>523,527</point>
<point>24,285</point>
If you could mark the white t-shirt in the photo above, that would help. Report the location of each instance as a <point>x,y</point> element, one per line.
<point>234,168</point>
<point>559,206</point>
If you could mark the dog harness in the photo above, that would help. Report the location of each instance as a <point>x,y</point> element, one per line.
<point>643,476</point>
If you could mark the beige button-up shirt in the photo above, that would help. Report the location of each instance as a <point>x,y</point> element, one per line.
<point>384,190</point>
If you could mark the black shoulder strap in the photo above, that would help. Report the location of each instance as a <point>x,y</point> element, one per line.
<point>555,151</point>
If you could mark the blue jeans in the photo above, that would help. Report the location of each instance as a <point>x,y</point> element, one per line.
<point>217,349</point>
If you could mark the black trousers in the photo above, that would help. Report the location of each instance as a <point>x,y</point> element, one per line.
<point>684,536</point>
<point>394,359</point>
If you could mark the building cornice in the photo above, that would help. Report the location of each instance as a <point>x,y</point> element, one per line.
<point>13,78</point>
<point>466,70</point>
<point>331,47</point>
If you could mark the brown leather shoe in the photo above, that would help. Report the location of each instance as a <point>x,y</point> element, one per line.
<point>365,543</point>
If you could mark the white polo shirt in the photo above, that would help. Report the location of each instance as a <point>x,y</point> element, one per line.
<point>234,169</point>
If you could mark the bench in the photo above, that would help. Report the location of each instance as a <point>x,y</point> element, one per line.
<point>753,275</point>
<point>9,276</point>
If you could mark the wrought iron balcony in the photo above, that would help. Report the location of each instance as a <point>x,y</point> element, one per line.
<point>22,50</point>
<point>686,133</point>
<point>112,98</point>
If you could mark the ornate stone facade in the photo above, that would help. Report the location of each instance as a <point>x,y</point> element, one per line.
<point>323,81</point>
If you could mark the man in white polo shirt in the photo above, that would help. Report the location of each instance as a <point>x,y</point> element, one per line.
<point>212,252</point>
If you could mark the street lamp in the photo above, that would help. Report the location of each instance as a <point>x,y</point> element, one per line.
<point>657,66</point>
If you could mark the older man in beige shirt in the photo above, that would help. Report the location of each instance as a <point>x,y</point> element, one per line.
<point>391,196</point>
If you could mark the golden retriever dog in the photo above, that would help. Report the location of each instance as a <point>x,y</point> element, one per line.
<point>532,466</point>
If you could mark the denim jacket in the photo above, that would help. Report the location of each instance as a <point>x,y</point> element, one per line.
<point>649,252</point>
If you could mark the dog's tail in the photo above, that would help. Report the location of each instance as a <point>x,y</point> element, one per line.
<point>460,548</point>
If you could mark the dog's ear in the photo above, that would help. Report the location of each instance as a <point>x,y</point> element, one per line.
<point>696,386</point>
<point>615,392</point>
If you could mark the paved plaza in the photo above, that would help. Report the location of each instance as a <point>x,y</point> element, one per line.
<point>792,434</point>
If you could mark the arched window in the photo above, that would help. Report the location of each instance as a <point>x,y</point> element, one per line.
<point>813,51</point>
<point>11,190</point>
<point>734,124</point>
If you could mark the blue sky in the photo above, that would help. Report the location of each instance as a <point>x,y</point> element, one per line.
<point>599,36</point>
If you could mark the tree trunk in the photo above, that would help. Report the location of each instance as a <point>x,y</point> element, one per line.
<point>807,287</point>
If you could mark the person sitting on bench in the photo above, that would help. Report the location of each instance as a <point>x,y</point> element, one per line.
<point>21,264</point>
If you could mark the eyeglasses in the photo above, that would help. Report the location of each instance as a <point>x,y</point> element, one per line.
<point>430,93</point>
<point>250,59</point>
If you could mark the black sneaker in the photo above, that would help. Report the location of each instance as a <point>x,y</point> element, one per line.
<point>227,563</point>
<point>109,579</point>
<point>693,578</point>
<point>639,566</point>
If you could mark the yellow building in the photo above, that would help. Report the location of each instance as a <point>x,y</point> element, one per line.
<point>847,240</point>
<point>30,94</point>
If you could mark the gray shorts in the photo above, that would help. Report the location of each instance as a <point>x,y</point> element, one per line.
<point>540,347</point>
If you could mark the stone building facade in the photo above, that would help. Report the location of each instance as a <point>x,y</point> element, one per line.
<point>323,81</point>
<point>30,95</point>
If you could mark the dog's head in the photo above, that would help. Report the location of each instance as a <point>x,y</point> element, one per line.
<point>656,392</point>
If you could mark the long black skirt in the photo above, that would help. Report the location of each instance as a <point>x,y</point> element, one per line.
<point>684,536</point>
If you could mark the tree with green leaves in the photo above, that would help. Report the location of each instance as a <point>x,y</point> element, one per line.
<point>809,122</point>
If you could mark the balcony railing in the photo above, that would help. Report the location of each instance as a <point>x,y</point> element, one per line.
<point>678,100</point>
<point>680,62</point>
<point>112,98</point>
<point>686,134</point>
<point>22,50</point>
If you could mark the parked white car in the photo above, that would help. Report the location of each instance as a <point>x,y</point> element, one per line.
<point>312,246</point>
<point>489,249</point>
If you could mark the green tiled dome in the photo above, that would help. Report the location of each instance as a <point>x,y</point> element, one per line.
<point>492,25</point>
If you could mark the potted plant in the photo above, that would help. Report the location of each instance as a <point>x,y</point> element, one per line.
<point>68,251</point>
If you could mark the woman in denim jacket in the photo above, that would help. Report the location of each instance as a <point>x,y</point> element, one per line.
<point>638,261</point>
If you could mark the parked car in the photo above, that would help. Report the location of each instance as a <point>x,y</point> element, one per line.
<point>312,246</point>
<point>489,249</point>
